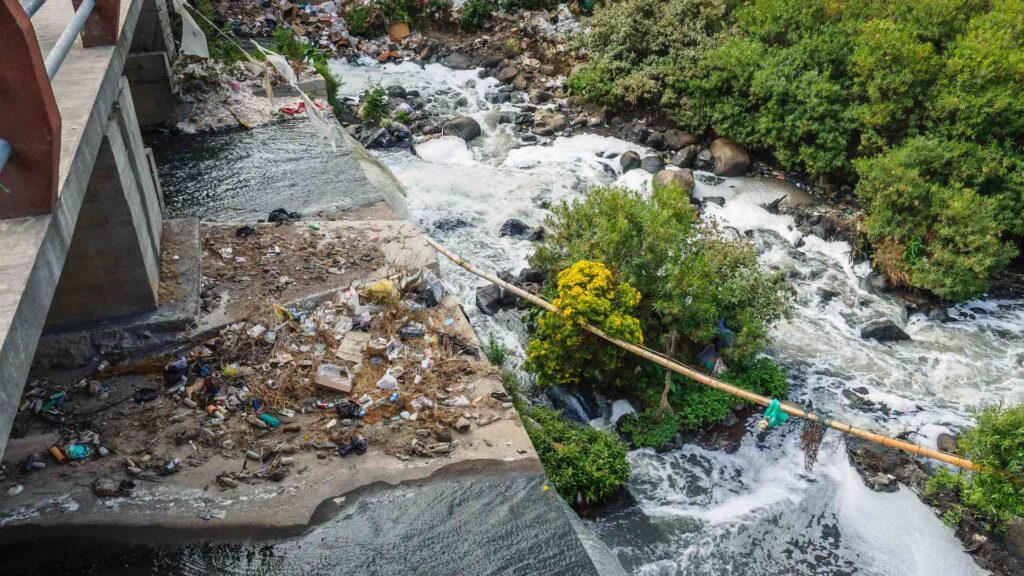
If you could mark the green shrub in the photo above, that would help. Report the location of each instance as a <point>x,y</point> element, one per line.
<point>586,465</point>
<point>648,429</point>
<point>515,5</point>
<point>827,87</point>
<point>287,45</point>
<point>930,218</point>
<point>996,444</point>
<point>697,405</point>
<point>360,20</point>
<point>475,14</point>
<point>497,354</point>
<point>688,273</point>
<point>374,105</point>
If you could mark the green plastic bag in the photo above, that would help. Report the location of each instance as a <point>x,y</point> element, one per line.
<point>773,415</point>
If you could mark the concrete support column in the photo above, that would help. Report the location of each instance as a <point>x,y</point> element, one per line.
<point>112,268</point>
<point>148,66</point>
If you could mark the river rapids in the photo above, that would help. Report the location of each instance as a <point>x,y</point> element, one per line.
<point>756,511</point>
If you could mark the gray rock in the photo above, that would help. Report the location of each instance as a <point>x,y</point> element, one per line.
<point>656,140</point>
<point>397,92</point>
<point>490,299</point>
<point>507,74</point>
<point>676,139</point>
<point>597,119</point>
<point>547,122</point>
<point>681,178</point>
<point>730,159</point>
<point>883,330</point>
<point>457,61</point>
<point>538,96</point>
<point>1013,538</point>
<point>629,161</point>
<point>464,127</point>
<point>653,164</point>
<point>714,200</point>
<point>704,160</point>
<point>685,157</point>
<point>947,443</point>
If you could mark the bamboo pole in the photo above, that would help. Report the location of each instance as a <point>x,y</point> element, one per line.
<point>715,383</point>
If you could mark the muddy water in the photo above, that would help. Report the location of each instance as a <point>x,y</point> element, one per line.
<point>757,511</point>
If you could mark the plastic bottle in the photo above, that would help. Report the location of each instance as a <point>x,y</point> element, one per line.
<point>270,420</point>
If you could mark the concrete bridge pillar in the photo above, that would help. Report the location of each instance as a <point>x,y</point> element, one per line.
<point>113,263</point>
<point>148,66</point>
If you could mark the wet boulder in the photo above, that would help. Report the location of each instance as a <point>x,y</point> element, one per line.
<point>507,74</point>
<point>397,92</point>
<point>457,61</point>
<point>517,228</point>
<point>464,127</point>
<point>679,178</point>
<point>629,161</point>
<point>883,330</point>
<point>677,139</point>
<point>704,160</point>
<point>685,157</point>
<point>492,298</point>
<point>538,96</point>
<point>653,164</point>
<point>656,140</point>
<point>548,122</point>
<point>531,276</point>
<point>730,159</point>
<point>947,443</point>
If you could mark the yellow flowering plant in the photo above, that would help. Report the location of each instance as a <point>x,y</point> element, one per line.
<point>561,352</point>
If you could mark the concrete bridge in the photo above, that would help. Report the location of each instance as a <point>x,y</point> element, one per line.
<point>80,202</point>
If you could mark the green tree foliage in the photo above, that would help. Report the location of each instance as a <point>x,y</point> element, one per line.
<point>649,429</point>
<point>586,465</point>
<point>997,445</point>
<point>834,88</point>
<point>688,273</point>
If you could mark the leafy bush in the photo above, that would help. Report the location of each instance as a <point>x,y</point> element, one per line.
<point>475,14</point>
<point>375,105</point>
<point>561,352</point>
<point>937,211</point>
<point>649,429</point>
<point>398,10</point>
<point>439,10</point>
<point>697,405</point>
<point>360,20</point>
<point>690,275</point>
<point>997,445</point>
<point>827,87</point>
<point>586,465</point>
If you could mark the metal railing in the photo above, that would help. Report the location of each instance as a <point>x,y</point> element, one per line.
<point>96,22</point>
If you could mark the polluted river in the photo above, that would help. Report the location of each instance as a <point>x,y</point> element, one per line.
<point>693,511</point>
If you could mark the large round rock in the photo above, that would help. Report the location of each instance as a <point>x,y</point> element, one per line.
<point>629,160</point>
<point>679,178</point>
<point>464,127</point>
<point>730,158</point>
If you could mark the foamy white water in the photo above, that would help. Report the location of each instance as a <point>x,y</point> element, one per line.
<point>756,511</point>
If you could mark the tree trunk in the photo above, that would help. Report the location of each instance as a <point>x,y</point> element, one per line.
<point>663,405</point>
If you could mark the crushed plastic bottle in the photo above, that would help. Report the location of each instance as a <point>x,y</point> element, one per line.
<point>78,451</point>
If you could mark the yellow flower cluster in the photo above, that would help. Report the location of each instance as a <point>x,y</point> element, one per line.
<point>561,353</point>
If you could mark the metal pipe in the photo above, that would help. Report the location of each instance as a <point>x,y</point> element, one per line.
<point>56,56</point>
<point>31,6</point>
<point>5,153</point>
